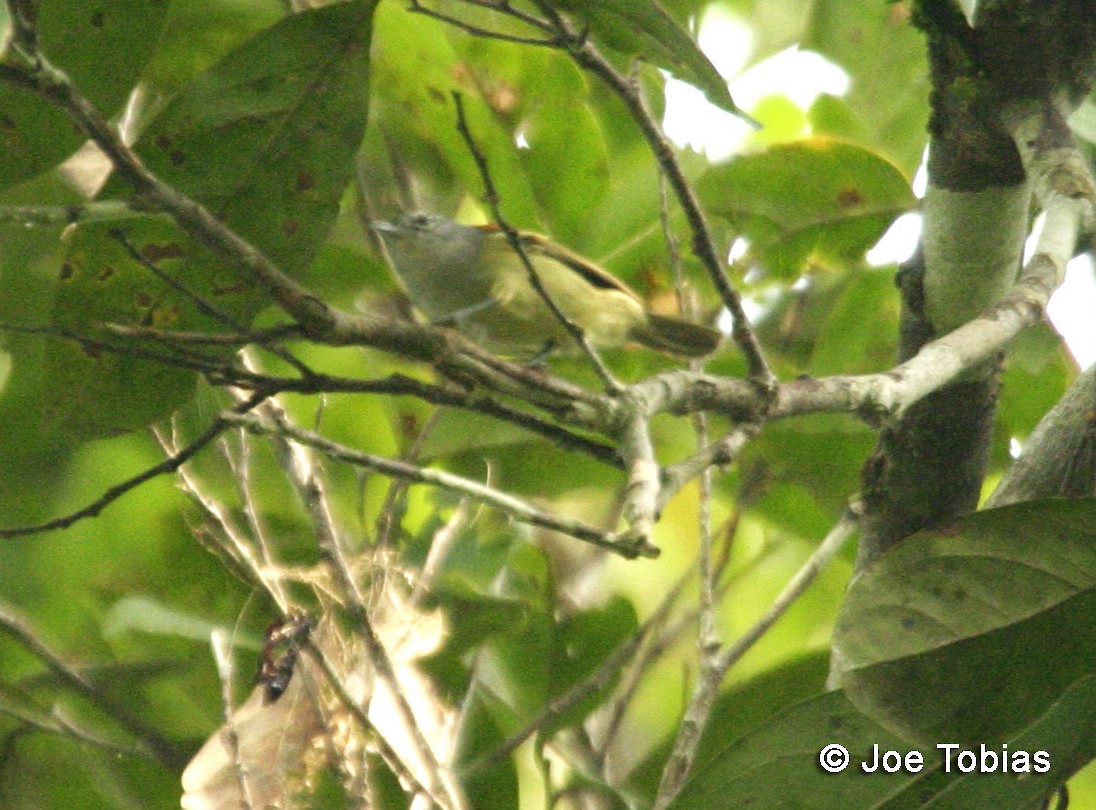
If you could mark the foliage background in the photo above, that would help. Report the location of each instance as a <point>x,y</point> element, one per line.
<point>132,593</point>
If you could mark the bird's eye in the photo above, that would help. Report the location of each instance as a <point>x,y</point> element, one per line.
<point>420,222</point>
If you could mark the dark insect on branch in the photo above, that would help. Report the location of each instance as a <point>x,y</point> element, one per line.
<point>280,651</point>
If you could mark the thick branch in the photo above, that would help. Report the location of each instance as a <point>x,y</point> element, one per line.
<point>1059,457</point>
<point>1001,91</point>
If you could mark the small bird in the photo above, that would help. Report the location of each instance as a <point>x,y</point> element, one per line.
<point>471,277</point>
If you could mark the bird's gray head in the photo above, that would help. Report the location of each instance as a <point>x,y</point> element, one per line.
<point>420,238</point>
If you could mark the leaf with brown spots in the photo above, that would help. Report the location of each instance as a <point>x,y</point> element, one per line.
<point>265,139</point>
<point>102,47</point>
<point>969,634</point>
<point>107,392</point>
<point>819,200</point>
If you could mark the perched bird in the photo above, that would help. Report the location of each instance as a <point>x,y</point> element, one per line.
<point>471,277</point>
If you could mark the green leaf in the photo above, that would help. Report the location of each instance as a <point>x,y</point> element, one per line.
<point>775,25</point>
<point>817,199</point>
<point>1038,370</point>
<point>1083,121</point>
<point>456,431</point>
<point>265,139</point>
<point>385,786</point>
<point>567,161</point>
<point>818,454</point>
<point>1066,733</point>
<point>584,642</point>
<point>970,633</point>
<point>492,784</point>
<point>517,667</point>
<point>419,63</point>
<point>643,28</point>
<point>877,45</point>
<point>851,343</point>
<point>776,765</point>
<point>33,455</point>
<point>477,616</point>
<point>198,33</point>
<point>831,115</point>
<point>736,712</point>
<point>107,391</point>
<point>145,614</point>
<point>531,115</point>
<point>474,618</point>
<point>102,47</point>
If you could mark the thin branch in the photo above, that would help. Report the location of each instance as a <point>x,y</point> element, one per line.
<point>441,543</point>
<point>710,678</point>
<point>707,636</point>
<point>222,656</point>
<point>639,665</point>
<point>598,681</point>
<point>505,7</point>
<point>221,373</point>
<point>490,194</point>
<point>394,504</point>
<point>31,216</point>
<point>588,56</point>
<point>169,465</point>
<point>23,14</point>
<point>475,30</point>
<point>719,453</point>
<point>305,474</point>
<point>258,337</point>
<point>203,306</point>
<point>518,509</point>
<point>402,385</point>
<point>654,641</point>
<point>177,357</point>
<point>641,492</point>
<point>242,468</point>
<point>225,540</point>
<point>70,727</point>
<point>64,727</point>
<point>391,758</point>
<point>663,635</point>
<point>162,749</point>
<point>795,587</point>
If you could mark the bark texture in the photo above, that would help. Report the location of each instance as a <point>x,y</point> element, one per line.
<point>927,468</point>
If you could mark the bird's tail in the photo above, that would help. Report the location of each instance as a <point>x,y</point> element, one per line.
<point>676,336</point>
